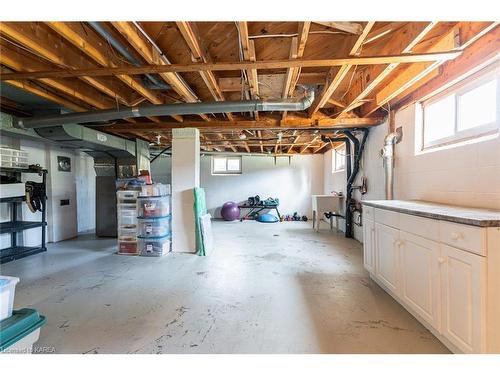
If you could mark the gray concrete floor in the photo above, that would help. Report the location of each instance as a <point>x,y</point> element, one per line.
<point>267,288</point>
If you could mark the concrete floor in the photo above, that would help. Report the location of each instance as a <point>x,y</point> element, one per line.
<point>267,288</point>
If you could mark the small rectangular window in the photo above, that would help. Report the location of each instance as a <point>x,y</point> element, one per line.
<point>467,110</point>
<point>338,156</point>
<point>226,165</point>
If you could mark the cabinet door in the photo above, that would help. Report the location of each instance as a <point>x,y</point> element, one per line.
<point>420,277</point>
<point>463,289</point>
<point>387,256</point>
<point>369,245</point>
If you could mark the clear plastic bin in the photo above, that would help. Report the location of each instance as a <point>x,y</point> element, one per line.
<point>127,218</point>
<point>127,233</point>
<point>155,190</point>
<point>153,206</point>
<point>127,196</point>
<point>153,227</point>
<point>7,293</point>
<point>153,246</point>
<point>128,247</point>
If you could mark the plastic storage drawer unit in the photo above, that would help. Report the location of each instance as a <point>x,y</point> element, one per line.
<point>154,227</point>
<point>153,206</point>
<point>19,332</point>
<point>127,247</point>
<point>154,246</point>
<point>7,292</point>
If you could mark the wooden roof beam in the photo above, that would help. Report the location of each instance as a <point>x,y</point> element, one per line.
<point>296,52</point>
<point>17,61</point>
<point>244,65</point>
<point>338,77</point>
<point>37,90</point>
<point>414,73</point>
<point>348,27</point>
<point>264,123</point>
<point>144,47</point>
<point>481,53</point>
<point>382,31</point>
<point>43,45</point>
<point>248,51</point>
<point>414,35</point>
<point>200,54</point>
<point>90,46</point>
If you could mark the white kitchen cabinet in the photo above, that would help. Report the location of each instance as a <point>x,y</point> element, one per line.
<point>446,273</point>
<point>369,245</point>
<point>387,256</point>
<point>420,277</point>
<point>463,293</point>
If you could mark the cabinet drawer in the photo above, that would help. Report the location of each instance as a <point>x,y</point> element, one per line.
<point>421,226</point>
<point>465,237</point>
<point>369,212</point>
<point>389,218</point>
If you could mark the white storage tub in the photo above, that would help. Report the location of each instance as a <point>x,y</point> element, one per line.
<point>153,206</point>
<point>7,293</point>
<point>154,226</point>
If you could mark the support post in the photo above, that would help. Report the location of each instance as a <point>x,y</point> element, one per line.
<point>185,177</point>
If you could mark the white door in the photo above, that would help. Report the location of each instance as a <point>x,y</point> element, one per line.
<point>420,276</point>
<point>387,256</point>
<point>463,289</point>
<point>369,245</point>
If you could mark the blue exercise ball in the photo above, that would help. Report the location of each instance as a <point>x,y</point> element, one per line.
<point>230,211</point>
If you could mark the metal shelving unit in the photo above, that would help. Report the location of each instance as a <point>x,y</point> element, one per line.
<point>15,226</point>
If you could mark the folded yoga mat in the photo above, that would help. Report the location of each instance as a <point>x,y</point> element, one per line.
<point>200,209</point>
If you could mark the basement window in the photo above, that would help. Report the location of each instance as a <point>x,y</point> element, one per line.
<point>224,165</point>
<point>469,109</point>
<point>338,159</point>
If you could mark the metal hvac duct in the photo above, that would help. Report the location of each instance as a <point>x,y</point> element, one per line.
<point>153,82</point>
<point>167,110</point>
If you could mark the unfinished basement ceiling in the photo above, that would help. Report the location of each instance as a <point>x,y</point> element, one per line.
<point>358,71</point>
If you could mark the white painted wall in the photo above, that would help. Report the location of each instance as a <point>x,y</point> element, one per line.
<point>465,175</point>
<point>78,186</point>
<point>292,183</point>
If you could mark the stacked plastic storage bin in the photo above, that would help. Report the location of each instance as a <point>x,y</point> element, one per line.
<point>19,329</point>
<point>154,220</point>
<point>12,158</point>
<point>127,221</point>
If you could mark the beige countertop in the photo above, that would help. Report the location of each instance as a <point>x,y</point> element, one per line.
<point>480,217</point>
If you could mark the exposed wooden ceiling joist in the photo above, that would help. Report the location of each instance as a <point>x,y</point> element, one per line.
<point>152,56</point>
<point>221,66</point>
<point>348,27</point>
<point>417,72</point>
<point>264,123</point>
<point>200,54</point>
<point>44,45</point>
<point>415,33</point>
<point>338,76</point>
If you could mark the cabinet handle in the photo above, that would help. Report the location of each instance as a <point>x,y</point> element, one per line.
<point>441,260</point>
<point>456,236</point>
